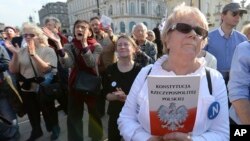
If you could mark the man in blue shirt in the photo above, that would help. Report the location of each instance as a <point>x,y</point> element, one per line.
<point>239,83</point>
<point>222,41</point>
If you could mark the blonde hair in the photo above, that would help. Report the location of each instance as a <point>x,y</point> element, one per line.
<point>130,40</point>
<point>246,29</point>
<point>43,40</point>
<point>179,12</point>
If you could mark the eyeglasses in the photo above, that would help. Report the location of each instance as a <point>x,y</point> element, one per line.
<point>186,28</point>
<point>28,35</point>
<point>237,13</point>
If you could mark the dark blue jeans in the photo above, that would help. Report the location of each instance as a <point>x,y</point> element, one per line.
<point>7,132</point>
<point>6,110</point>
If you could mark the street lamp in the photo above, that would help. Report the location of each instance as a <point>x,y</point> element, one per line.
<point>98,7</point>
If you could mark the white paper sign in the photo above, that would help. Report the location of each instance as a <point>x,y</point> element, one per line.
<point>106,21</point>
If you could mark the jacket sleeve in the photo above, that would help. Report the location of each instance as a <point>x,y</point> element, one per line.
<point>91,58</point>
<point>128,124</point>
<point>68,60</point>
<point>239,82</point>
<point>153,53</point>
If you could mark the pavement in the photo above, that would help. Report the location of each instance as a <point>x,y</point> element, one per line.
<point>25,128</point>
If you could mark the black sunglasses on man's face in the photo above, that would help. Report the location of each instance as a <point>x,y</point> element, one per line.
<point>235,13</point>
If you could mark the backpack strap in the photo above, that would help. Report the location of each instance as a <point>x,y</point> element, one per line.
<point>148,72</point>
<point>209,82</point>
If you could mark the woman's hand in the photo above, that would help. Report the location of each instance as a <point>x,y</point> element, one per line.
<point>155,138</point>
<point>109,31</point>
<point>177,136</point>
<point>53,36</point>
<point>84,41</point>
<point>10,47</point>
<point>121,96</point>
<point>31,47</point>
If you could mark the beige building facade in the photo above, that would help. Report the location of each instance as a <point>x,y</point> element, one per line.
<point>126,13</point>
<point>212,10</point>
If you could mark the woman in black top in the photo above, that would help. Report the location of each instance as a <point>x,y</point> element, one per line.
<point>118,80</point>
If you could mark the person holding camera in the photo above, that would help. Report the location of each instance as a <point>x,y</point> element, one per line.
<point>33,62</point>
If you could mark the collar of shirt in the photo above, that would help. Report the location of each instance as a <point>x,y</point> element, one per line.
<point>222,32</point>
<point>144,44</point>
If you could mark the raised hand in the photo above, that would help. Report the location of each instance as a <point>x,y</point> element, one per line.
<point>56,30</point>
<point>31,47</point>
<point>109,31</point>
<point>10,47</point>
<point>84,41</point>
<point>53,36</point>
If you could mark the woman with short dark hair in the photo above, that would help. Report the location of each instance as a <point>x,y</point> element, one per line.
<point>82,54</point>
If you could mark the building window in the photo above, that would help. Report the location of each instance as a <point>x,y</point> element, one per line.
<point>143,9</point>
<point>122,9</point>
<point>112,26</point>
<point>150,7</point>
<point>110,10</point>
<point>132,8</point>
<point>122,27</point>
<point>131,24</point>
<point>158,10</point>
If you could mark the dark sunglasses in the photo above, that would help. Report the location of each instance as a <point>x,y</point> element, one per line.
<point>237,13</point>
<point>28,35</point>
<point>186,28</point>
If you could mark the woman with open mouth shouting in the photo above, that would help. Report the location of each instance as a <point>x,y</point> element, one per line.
<point>81,55</point>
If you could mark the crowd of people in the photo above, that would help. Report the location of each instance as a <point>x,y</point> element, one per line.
<point>185,47</point>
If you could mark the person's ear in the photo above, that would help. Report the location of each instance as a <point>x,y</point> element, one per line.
<point>165,40</point>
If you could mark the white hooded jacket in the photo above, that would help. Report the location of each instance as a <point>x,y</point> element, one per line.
<point>134,119</point>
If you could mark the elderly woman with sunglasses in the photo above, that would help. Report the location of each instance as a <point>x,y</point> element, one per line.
<point>183,38</point>
<point>33,62</point>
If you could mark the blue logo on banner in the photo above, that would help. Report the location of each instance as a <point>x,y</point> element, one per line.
<point>213,110</point>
